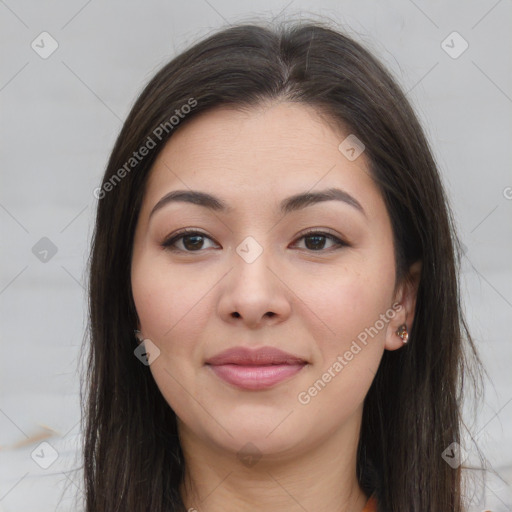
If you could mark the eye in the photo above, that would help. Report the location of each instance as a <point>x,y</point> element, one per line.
<point>193,241</point>
<point>318,239</point>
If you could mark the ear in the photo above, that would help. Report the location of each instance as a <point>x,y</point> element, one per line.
<point>404,305</point>
<point>136,316</point>
<point>137,332</point>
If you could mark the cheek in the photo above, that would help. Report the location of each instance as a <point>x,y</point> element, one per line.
<point>342,302</point>
<point>169,302</point>
<point>173,316</point>
<point>344,316</point>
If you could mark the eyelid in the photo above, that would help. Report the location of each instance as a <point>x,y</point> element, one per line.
<point>171,239</point>
<point>319,230</point>
<point>338,240</point>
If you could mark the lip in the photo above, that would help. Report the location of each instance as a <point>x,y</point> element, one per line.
<point>257,368</point>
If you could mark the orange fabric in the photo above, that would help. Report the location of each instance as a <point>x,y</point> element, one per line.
<point>371,505</point>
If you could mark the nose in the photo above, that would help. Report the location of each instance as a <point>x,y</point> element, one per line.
<point>253,292</point>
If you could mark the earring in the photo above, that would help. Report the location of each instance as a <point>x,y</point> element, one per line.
<point>138,335</point>
<point>402,332</point>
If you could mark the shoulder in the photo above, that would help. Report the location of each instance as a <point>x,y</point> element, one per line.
<point>371,504</point>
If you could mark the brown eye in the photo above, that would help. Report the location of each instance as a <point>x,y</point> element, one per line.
<point>316,240</point>
<point>191,241</point>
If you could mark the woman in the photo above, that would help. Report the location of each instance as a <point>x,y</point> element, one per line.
<point>274,306</point>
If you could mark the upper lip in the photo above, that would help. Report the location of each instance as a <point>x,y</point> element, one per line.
<point>254,357</point>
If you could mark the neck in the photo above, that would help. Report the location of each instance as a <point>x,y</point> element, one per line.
<point>321,478</point>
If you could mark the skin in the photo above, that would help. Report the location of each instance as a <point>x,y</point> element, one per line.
<point>193,305</point>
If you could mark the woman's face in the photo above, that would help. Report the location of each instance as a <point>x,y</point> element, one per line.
<point>251,276</point>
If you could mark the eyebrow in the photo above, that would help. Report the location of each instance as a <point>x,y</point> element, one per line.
<point>290,204</point>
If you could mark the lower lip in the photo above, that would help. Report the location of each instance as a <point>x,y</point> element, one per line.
<point>256,377</point>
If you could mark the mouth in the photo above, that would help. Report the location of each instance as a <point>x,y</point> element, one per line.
<point>255,369</point>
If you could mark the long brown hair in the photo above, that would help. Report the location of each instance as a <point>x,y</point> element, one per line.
<point>413,410</point>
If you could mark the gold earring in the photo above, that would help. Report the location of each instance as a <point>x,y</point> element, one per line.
<point>402,332</point>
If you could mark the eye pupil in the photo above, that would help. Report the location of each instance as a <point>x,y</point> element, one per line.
<point>315,244</point>
<point>195,245</point>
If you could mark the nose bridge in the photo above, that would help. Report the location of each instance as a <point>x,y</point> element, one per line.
<point>253,291</point>
<point>250,250</point>
<point>252,261</point>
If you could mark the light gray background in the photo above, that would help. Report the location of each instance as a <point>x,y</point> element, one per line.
<point>61,115</point>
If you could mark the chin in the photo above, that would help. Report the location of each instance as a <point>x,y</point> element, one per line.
<point>265,435</point>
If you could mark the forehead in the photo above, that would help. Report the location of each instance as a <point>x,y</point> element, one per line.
<point>261,153</point>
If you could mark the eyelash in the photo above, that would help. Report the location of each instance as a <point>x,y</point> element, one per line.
<point>168,243</point>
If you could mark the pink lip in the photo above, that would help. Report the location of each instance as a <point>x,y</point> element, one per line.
<point>255,369</point>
